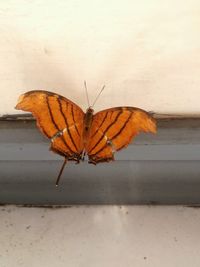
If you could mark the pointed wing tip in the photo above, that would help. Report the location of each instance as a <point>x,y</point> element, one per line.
<point>19,102</point>
<point>151,129</point>
<point>23,100</point>
<point>152,126</point>
<point>154,130</point>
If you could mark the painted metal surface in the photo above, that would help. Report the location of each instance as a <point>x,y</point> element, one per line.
<point>162,168</point>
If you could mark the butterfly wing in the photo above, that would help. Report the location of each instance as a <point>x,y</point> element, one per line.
<point>58,118</point>
<point>114,128</point>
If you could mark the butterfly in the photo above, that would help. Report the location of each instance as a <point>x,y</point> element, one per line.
<point>75,133</point>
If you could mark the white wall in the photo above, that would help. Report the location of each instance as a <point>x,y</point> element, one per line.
<point>146,52</point>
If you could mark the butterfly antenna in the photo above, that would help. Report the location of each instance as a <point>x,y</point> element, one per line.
<point>61,171</point>
<point>86,90</point>
<point>98,96</point>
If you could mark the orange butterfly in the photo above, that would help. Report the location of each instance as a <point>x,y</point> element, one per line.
<point>74,133</point>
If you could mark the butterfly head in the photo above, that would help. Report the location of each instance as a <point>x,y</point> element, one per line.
<point>90,110</point>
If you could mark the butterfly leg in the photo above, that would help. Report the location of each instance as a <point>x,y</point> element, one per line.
<point>61,171</point>
<point>83,155</point>
<point>92,162</point>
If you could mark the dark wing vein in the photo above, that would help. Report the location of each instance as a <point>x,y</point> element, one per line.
<point>105,117</point>
<point>51,114</point>
<point>115,136</point>
<point>74,121</point>
<point>123,127</point>
<point>108,127</point>
<point>67,125</point>
<point>55,124</point>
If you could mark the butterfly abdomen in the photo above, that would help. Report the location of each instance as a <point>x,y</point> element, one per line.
<point>87,125</point>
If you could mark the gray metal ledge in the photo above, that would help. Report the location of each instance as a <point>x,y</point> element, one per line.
<point>161,169</point>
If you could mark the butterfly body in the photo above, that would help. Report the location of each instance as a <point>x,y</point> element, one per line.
<point>87,125</point>
<point>74,133</point>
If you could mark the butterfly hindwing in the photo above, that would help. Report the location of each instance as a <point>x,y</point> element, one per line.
<point>58,118</point>
<point>114,128</point>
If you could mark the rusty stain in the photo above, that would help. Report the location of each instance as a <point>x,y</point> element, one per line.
<point>17,117</point>
<point>45,206</point>
<point>197,206</point>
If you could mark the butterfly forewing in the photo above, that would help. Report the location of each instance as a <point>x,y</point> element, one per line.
<point>58,118</point>
<point>114,128</point>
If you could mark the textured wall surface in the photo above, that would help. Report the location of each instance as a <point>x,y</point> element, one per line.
<point>146,52</point>
<point>100,236</point>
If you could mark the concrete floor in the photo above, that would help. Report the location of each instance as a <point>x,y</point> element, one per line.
<point>96,236</point>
